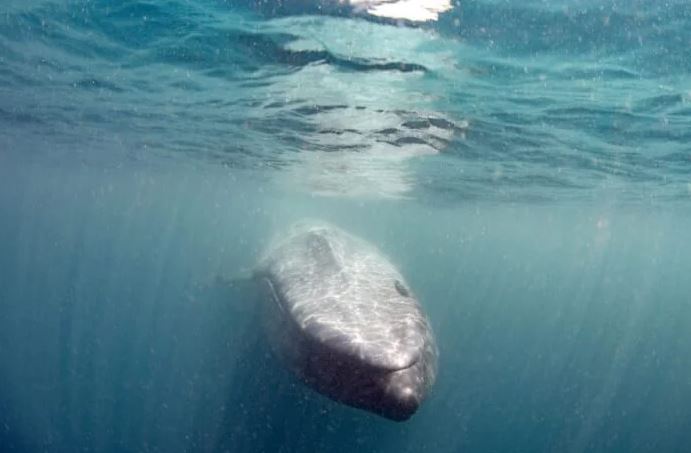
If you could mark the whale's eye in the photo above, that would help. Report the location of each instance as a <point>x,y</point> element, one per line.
<point>402,290</point>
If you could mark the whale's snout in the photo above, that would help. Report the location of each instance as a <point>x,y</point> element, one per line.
<point>402,402</point>
<point>403,394</point>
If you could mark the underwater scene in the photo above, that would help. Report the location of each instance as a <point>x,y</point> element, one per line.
<point>345,226</point>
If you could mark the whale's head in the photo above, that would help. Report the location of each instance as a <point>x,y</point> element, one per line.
<point>390,376</point>
<point>385,361</point>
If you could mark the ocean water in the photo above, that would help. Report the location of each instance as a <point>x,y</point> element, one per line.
<point>525,164</point>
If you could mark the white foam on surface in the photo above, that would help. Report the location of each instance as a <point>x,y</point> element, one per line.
<point>411,10</point>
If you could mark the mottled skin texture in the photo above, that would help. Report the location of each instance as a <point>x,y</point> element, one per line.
<point>343,319</point>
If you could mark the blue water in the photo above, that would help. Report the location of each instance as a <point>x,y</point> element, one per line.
<point>525,164</point>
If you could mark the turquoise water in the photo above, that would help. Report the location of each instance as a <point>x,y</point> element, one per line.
<point>526,165</point>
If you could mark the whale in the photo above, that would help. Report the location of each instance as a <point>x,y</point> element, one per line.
<point>342,319</point>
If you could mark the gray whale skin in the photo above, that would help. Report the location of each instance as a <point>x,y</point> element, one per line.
<point>341,317</point>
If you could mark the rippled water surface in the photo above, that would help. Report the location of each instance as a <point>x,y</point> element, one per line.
<point>497,100</point>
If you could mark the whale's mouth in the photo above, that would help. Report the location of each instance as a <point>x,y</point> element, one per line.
<point>381,393</point>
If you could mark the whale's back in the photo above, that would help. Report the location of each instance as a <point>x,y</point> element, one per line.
<point>346,297</point>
